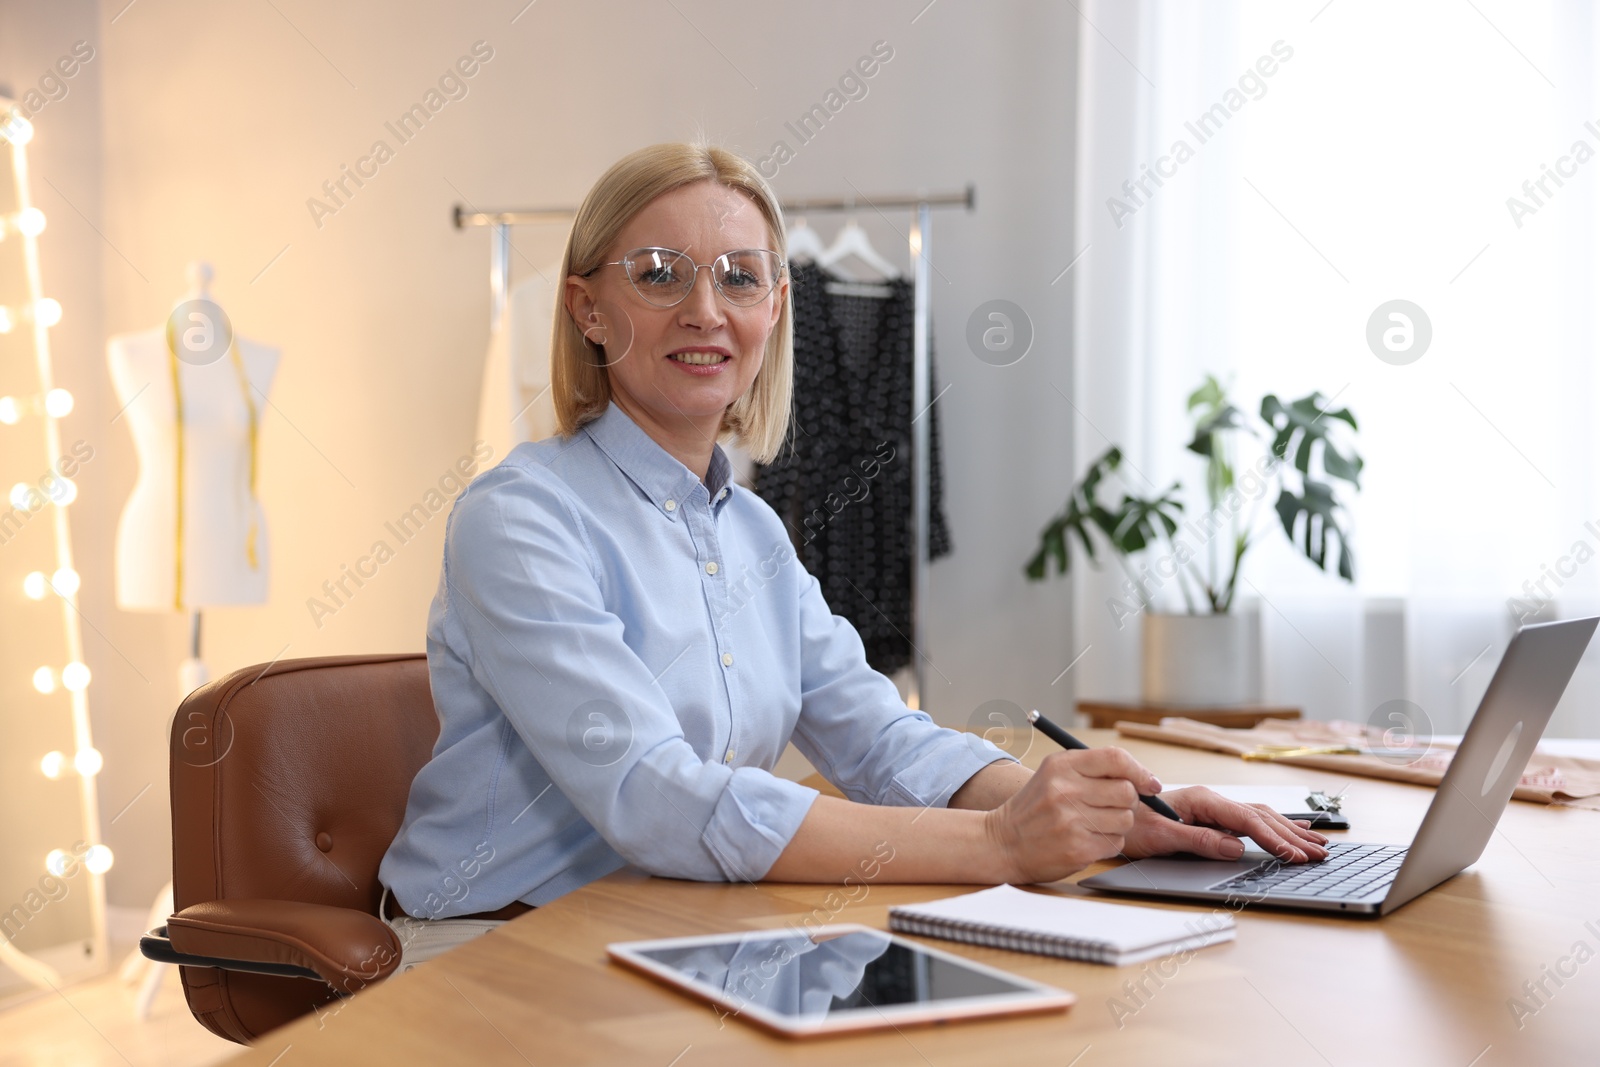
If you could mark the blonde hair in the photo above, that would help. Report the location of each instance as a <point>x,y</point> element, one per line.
<point>579,383</point>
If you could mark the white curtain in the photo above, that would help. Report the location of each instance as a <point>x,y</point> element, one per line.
<point>1352,154</point>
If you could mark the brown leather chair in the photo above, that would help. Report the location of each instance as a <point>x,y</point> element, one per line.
<point>289,781</point>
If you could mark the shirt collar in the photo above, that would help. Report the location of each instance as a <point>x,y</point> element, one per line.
<point>663,479</point>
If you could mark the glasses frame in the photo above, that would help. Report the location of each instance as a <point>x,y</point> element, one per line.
<point>783,266</point>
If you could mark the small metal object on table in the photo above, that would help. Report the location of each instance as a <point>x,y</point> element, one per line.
<point>1104,714</point>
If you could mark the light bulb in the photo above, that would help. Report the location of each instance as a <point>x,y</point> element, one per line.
<point>52,764</point>
<point>57,402</point>
<point>65,581</point>
<point>9,411</point>
<point>47,311</point>
<point>75,676</point>
<point>88,762</point>
<point>98,859</point>
<point>44,680</point>
<point>66,492</point>
<point>35,585</point>
<point>16,129</point>
<point>19,496</point>
<point>56,862</point>
<point>30,222</point>
<point>6,320</point>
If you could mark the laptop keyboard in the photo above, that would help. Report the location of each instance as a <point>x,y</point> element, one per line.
<point>1350,872</point>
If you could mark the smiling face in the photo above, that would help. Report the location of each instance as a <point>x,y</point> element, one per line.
<point>675,370</point>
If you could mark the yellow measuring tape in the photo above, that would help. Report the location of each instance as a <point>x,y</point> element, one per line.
<point>250,409</point>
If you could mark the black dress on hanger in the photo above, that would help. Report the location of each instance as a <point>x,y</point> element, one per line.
<point>842,483</point>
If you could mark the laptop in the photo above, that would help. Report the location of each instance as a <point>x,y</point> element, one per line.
<point>1377,879</point>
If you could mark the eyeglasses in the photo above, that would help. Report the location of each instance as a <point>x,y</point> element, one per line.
<point>664,276</point>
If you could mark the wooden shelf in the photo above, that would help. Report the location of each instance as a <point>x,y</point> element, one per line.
<point>1104,714</point>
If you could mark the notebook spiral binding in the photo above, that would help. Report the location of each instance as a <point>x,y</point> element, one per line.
<point>988,936</point>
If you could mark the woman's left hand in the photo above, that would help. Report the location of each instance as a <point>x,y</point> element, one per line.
<point>1212,826</point>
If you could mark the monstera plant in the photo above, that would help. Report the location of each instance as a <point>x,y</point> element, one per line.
<point>1307,457</point>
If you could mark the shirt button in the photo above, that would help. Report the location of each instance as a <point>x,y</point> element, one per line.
<point>671,505</point>
<point>729,757</point>
<point>711,568</point>
<point>727,659</point>
<point>722,494</point>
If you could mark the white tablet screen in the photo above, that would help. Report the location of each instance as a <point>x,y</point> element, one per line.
<point>796,975</point>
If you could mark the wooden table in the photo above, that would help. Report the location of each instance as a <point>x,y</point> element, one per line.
<point>1431,984</point>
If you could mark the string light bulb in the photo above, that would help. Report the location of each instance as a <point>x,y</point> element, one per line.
<point>65,581</point>
<point>65,492</point>
<point>35,585</point>
<point>16,129</point>
<point>9,411</point>
<point>88,762</point>
<point>44,680</point>
<point>47,311</point>
<point>52,764</point>
<point>57,403</point>
<point>98,859</point>
<point>56,862</point>
<point>75,676</point>
<point>7,320</point>
<point>19,496</point>
<point>30,222</point>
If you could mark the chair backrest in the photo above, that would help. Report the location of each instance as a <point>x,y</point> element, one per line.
<point>289,782</point>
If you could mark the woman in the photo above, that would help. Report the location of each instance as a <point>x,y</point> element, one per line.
<point>623,641</point>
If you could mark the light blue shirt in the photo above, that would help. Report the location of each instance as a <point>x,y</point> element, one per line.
<point>619,653</point>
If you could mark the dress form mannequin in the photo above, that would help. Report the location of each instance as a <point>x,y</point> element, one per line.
<point>192,534</point>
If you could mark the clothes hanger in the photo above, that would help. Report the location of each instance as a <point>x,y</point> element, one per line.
<point>853,241</point>
<point>805,245</point>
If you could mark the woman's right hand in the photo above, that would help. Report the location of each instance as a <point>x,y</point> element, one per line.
<point>1076,809</point>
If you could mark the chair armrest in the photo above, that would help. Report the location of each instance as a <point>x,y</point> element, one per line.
<point>156,946</point>
<point>344,947</point>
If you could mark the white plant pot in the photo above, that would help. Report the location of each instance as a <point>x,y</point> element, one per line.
<point>1202,659</point>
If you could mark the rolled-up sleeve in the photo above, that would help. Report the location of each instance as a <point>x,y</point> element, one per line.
<point>858,732</point>
<point>525,594</point>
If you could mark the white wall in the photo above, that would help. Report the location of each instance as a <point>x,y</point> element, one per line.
<point>220,121</point>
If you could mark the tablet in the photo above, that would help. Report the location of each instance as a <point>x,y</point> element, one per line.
<point>835,979</point>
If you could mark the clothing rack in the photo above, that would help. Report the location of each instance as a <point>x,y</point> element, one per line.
<point>919,243</point>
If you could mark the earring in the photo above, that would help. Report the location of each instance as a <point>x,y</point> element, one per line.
<point>591,340</point>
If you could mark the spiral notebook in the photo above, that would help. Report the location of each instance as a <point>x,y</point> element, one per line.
<point>1074,929</point>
